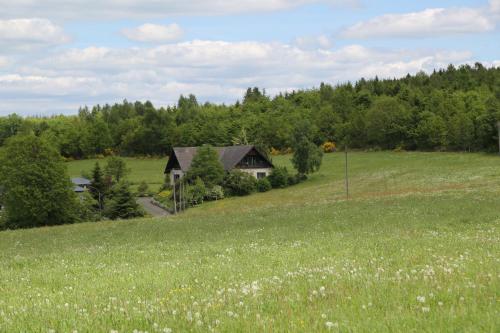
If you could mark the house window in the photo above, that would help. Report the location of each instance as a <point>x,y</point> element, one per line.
<point>261,175</point>
<point>249,161</point>
<point>177,176</point>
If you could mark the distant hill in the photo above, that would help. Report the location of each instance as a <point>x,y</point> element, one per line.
<point>454,109</point>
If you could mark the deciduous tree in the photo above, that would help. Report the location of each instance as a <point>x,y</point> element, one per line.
<point>36,186</point>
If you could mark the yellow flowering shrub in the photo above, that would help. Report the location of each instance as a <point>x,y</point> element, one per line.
<point>165,194</point>
<point>275,152</point>
<point>329,147</point>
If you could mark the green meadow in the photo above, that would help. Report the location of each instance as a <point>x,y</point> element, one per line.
<point>416,248</point>
<point>148,170</point>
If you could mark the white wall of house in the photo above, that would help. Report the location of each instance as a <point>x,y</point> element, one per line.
<point>173,173</point>
<point>257,171</point>
<point>254,172</point>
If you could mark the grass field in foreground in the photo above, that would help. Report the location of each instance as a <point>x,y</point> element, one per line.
<point>416,249</point>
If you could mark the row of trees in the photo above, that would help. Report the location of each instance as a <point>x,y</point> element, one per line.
<point>452,109</point>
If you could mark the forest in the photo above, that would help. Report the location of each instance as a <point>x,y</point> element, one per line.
<point>453,109</point>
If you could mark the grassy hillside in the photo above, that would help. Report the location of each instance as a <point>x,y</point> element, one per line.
<point>417,248</point>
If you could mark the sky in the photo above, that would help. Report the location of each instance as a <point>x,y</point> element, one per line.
<point>58,55</point>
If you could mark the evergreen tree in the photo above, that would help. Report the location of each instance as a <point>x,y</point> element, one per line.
<point>121,203</point>
<point>88,208</point>
<point>99,187</point>
<point>207,167</point>
<point>143,189</point>
<point>36,187</point>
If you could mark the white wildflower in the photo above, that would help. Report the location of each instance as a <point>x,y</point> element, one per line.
<point>330,325</point>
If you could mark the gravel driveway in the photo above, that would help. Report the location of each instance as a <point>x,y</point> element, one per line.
<point>152,209</point>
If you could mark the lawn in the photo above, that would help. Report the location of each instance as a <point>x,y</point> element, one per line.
<point>148,170</point>
<point>416,248</point>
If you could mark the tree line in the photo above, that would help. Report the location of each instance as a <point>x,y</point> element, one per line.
<point>453,109</point>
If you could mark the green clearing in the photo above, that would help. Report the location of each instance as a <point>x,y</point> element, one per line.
<point>416,249</point>
<point>148,170</point>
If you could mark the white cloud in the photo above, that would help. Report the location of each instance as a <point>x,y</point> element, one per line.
<point>426,23</point>
<point>216,71</point>
<point>106,9</point>
<point>154,33</point>
<point>25,34</point>
<point>3,61</point>
<point>495,6</point>
<point>313,42</point>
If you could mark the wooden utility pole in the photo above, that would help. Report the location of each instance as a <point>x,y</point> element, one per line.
<point>346,175</point>
<point>181,195</point>
<point>175,199</point>
<point>184,196</point>
<point>498,126</point>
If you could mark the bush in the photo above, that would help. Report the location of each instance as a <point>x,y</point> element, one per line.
<point>166,183</point>
<point>292,180</point>
<point>88,208</point>
<point>196,193</point>
<point>275,152</point>
<point>295,179</point>
<point>165,194</point>
<point>329,147</point>
<point>279,177</point>
<point>239,183</point>
<point>143,189</point>
<point>215,193</point>
<point>263,185</point>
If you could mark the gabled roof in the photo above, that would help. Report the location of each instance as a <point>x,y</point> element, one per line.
<point>228,156</point>
<point>81,181</point>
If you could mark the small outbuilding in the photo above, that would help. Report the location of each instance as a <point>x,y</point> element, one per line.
<point>80,184</point>
<point>248,159</point>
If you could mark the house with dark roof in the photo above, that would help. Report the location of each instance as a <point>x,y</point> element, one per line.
<point>245,158</point>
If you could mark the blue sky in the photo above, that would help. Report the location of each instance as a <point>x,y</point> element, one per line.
<point>56,56</point>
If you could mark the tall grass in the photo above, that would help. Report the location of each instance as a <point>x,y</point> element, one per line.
<point>415,249</point>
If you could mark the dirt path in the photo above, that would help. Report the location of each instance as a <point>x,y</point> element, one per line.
<point>152,209</point>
